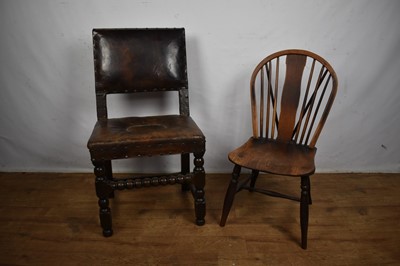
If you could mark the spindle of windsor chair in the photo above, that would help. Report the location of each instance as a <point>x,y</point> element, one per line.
<point>292,92</point>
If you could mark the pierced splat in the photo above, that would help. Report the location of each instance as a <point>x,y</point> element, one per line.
<point>291,95</point>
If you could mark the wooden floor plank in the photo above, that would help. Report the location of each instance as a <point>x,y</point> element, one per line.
<point>52,219</point>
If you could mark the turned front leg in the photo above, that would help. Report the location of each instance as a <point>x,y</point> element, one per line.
<point>304,202</point>
<point>198,193</point>
<point>185,169</point>
<point>103,192</point>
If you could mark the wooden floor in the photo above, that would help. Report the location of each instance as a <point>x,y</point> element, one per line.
<point>52,219</point>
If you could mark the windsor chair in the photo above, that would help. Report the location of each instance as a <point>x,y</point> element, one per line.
<point>145,61</point>
<point>292,92</point>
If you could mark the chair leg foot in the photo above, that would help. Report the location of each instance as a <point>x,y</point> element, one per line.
<point>230,195</point>
<point>105,217</point>
<point>107,233</point>
<point>199,193</point>
<point>304,212</point>
<point>200,222</point>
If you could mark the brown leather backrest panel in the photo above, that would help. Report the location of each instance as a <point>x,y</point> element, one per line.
<point>137,60</point>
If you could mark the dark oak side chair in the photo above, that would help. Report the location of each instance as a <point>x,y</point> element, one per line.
<point>292,92</point>
<point>143,60</point>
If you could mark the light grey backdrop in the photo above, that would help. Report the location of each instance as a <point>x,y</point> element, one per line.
<point>47,103</point>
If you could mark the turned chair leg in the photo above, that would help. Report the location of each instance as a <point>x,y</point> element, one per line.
<point>109,174</point>
<point>230,194</point>
<point>103,192</point>
<point>304,202</point>
<point>185,169</point>
<point>198,193</point>
<point>254,175</point>
<point>309,191</point>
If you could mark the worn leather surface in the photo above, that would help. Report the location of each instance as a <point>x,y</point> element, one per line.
<point>145,136</point>
<point>128,60</point>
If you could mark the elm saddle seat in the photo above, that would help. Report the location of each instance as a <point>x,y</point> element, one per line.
<point>143,60</point>
<point>289,105</point>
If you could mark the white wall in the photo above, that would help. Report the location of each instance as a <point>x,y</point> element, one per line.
<point>47,103</point>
